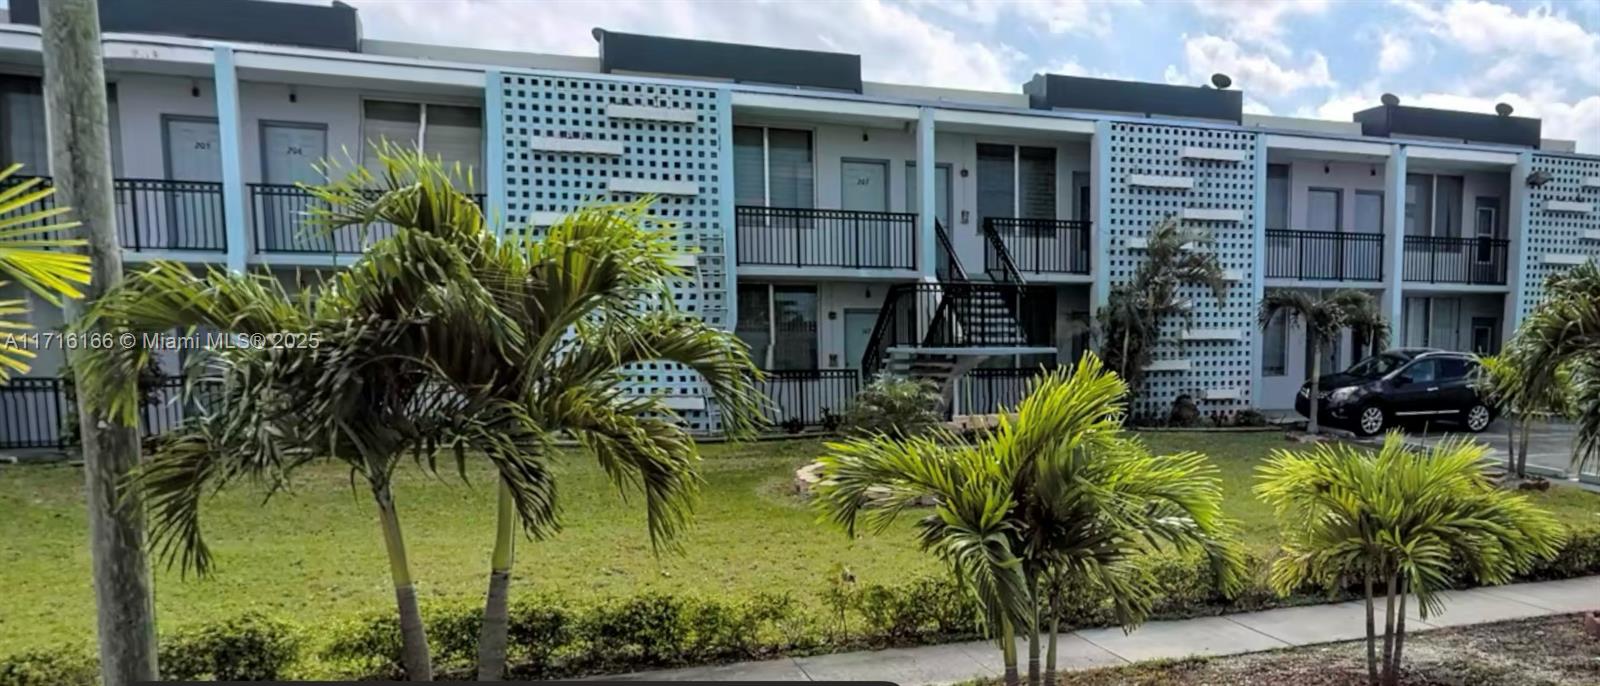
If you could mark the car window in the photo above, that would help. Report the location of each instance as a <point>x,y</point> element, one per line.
<point>1423,370</point>
<point>1454,368</point>
<point>1376,366</point>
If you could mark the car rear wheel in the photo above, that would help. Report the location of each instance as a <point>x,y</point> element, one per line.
<point>1478,417</point>
<point>1370,420</point>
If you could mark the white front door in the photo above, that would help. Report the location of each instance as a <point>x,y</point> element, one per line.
<point>866,185</point>
<point>289,153</point>
<point>858,325</point>
<point>194,150</point>
<point>194,153</point>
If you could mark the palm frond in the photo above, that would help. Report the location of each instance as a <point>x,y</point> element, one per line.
<point>36,254</point>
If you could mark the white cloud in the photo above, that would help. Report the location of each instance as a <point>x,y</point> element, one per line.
<point>1579,120</point>
<point>895,42</point>
<point>1253,72</point>
<point>1395,54</point>
<point>1260,21</point>
<point>1540,37</point>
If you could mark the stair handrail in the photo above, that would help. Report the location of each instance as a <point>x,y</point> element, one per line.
<point>952,262</point>
<point>872,357</point>
<point>1008,267</point>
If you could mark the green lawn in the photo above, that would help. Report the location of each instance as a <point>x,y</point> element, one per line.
<point>315,554</point>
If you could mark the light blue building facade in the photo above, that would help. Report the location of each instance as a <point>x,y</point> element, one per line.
<point>845,228</point>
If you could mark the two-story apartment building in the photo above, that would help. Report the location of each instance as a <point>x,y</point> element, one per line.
<point>841,227</point>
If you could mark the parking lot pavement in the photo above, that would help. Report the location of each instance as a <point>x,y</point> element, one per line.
<point>1549,445</point>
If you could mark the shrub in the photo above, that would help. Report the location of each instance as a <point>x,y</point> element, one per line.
<point>1579,557</point>
<point>64,666</point>
<point>643,631</point>
<point>538,629</point>
<point>250,647</point>
<point>894,405</point>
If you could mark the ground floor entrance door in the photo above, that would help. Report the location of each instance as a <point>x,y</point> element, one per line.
<point>858,324</point>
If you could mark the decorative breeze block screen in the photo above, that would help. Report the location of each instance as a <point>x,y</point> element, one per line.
<point>1562,234</point>
<point>1221,202</point>
<point>567,140</point>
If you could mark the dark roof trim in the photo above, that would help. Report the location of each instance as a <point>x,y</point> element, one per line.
<point>1472,127</point>
<point>1055,91</point>
<point>329,27</point>
<point>630,52</point>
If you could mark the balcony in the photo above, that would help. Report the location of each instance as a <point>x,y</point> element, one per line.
<point>281,215</point>
<point>1324,255</point>
<point>1037,246</point>
<point>1456,260</point>
<point>805,237</point>
<point>162,214</point>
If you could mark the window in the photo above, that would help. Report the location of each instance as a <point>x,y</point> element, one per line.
<point>1447,206</point>
<point>773,167</point>
<point>794,314</point>
<point>1419,204</point>
<point>1453,368</point>
<point>779,323</point>
<point>1485,226</point>
<point>755,322</point>
<point>453,133</point>
<point>1323,210</point>
<point>23,136</point>
<point>1277,196</point>
<point>1422,370</point>
<point>1444,323</point>
<point>1274,346</point>
<point>1485,336</point>
<point>1016,181</point>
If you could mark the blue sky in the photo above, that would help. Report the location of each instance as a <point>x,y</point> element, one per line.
<point>1291,57</point>
<point>1314,58</point>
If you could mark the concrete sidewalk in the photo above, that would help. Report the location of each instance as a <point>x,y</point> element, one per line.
<point>1226,635</point>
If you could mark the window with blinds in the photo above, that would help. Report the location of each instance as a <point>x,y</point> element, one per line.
<point>453,133</point>
<point>23,138</point>
<point>773,167</point>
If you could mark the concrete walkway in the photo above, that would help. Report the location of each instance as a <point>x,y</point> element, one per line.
<point>1227,635</point>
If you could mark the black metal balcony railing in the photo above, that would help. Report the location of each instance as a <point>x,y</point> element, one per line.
<point>159,214</point>
<point>808,395</point>
<point>1324,255</point>
<point>34,411</point>
<point>806,237</point>
<point>989,390</point>
<point>1452,259</point>
<point>282,216</point>
<point>1038,246</point>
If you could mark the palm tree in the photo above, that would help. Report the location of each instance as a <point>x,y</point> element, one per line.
<point>577,302</point>
<point>1054,498</point>
<point>1561,338</point>
<point>1324,319</point>
<point>1134,311</point>
<point>1408,520</point>
<point>1502,383</point>
<point>34,256</point>
<point>360,382</point>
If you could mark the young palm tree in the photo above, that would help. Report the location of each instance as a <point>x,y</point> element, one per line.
<point>1560,338</point>
<point>1502,384</point>
<point>1404,520</point>
<point>1323,319</point>
<point>1054,497</point>
<point>1134,312</point>
<point>33,255</point>
<point>578,303</point>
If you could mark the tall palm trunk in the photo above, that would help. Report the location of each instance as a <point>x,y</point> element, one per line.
<point>413,635</point>
<point>1008,651</point>
<point>1522,450</point>
<point>1393,678</point>
<point>1033,632</point>
<point>1388,628</point>
<point>1055,630</point>
<point>1372,632</point>
<point>75,98</point>
<point>496,616</point>
<point>1316,382</point>
<point>1511,446</point>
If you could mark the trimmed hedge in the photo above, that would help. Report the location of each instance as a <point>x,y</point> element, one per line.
<point>550,638</point>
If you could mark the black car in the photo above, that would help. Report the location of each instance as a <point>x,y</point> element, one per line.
<point>1400,384</point>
